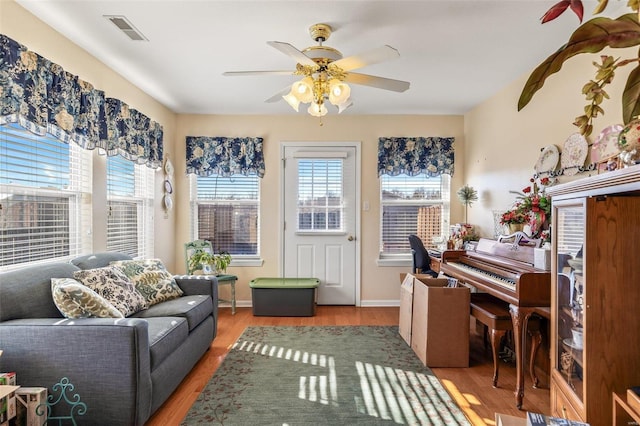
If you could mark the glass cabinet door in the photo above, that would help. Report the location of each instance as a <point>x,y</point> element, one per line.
<point>570,294</point>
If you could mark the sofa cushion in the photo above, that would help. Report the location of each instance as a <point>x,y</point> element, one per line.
<point>98,260</point>
<point>151,279</point>
<point>114,286</point>
<point>166,334</point>
<point>75,300</point>
<point>194,308</point>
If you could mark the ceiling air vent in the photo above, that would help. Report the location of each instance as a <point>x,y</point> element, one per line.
<point>126,27</point>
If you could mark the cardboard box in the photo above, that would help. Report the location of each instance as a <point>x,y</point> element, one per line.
<point>29,398</point>
<point>406,306</point>
<point>440,323</point>
<point>505,420</point>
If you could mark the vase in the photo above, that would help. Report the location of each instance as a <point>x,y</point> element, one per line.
<point>515,227</point>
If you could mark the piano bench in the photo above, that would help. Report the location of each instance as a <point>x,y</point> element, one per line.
<point>494,314</point>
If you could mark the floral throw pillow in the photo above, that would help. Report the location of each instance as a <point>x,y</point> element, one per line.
<point>151,279</point>
<point>115,286</point>
<point>75,300</point>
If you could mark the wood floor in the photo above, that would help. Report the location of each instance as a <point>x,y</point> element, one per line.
<point>470,387</point>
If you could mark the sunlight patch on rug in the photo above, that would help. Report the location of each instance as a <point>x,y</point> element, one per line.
<point>323,375</point>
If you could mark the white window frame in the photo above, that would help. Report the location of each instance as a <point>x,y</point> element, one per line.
<point>236,259</point>
<point>405,259</point>
<point>141,196</point>
<point>78,192</point>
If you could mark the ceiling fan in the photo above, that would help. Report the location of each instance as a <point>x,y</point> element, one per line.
<point>326,73</point>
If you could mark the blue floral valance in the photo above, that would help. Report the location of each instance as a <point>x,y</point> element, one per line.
<point>224,156</point>
<point>43,98</point>
<point>412,156</point>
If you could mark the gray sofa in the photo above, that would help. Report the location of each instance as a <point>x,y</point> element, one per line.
<point>122,369</point>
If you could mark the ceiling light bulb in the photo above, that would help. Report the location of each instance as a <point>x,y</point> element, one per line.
<point>317,110</point>
<point>292,100</point>
<point>303,90</point>
<point>339,92</point>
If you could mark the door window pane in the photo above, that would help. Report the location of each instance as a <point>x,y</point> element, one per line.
<point>320,195</point>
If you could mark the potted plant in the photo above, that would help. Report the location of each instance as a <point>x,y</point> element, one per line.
<point>591,37</point>
<point>467,195</point>
<point>209,263</point>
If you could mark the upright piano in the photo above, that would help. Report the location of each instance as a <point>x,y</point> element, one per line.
<point>505,269</point>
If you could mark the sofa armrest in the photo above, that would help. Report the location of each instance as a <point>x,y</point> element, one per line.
<point>106,359</point>
<point>200,284</point>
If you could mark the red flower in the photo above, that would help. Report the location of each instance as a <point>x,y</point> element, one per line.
<point>544,181</point>
<point>527,190</point>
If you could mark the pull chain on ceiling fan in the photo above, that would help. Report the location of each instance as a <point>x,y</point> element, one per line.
<point>326,73</point>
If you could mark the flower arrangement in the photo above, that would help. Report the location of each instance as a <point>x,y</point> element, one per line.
<point>533,207</point>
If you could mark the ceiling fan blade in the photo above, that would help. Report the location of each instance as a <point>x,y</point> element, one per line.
<point>244,73</point>
<point>278,96</point>
<point>379,82</point>
<point>381,54</point>
<point>291,51</point>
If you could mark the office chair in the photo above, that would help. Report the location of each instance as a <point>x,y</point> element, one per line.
<point>421,259</point>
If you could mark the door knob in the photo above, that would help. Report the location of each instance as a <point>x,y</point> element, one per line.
<point>351,238</point>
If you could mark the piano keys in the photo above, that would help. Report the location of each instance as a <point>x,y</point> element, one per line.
<point>506,271</point>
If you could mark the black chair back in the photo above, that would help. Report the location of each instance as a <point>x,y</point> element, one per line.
<point>421,259</point>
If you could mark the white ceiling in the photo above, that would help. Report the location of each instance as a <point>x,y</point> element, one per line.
<point>456,54</point>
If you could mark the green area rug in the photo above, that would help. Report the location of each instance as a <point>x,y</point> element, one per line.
<point>338,375</point>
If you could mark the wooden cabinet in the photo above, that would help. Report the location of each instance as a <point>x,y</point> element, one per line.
<point>595,328</point>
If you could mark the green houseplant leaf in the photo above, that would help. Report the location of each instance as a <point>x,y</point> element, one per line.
<point>591,37</point>
<point>631,96</point>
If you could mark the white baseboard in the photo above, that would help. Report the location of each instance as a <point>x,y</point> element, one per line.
<point>363,304</point>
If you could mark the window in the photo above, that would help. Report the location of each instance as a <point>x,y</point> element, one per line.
<point>225,212</point>
<point>320,203</point>
<point>412,205</point>
<point>130,207</point>
<point>45,207</point>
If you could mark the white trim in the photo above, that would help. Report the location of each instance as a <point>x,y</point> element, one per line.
<point>246,262</point>
<point>319,154</point>
<point>394,262</point>
<point>358,166</point>
<point>365,304</point>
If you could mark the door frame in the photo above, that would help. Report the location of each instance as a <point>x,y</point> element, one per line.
<point>357,231</point>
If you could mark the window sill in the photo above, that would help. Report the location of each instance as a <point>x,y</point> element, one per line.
<point>247,262</point>
<point>394,262</point>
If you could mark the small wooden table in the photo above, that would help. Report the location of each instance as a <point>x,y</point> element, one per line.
<point>231,281</point>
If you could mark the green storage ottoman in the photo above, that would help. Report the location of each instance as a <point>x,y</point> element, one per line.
<point>284,297</point>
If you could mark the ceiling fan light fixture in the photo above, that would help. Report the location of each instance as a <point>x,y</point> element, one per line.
<point>303,90</point>
<point>317,110</point>
<point>292,100</point>
<point>339,92</point>
<point>346,104</point>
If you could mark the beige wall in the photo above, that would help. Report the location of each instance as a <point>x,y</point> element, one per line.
<point>379,285</point>
<point>22,26</point>
<point>503,145</point>
<point>496,149</point>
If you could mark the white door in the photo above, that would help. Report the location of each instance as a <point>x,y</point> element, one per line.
<point>320,187</point>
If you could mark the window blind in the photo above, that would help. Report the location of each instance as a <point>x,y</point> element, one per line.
<point>226,212</point>
<point>130,207</point>
<point>45,207</point>
<point>320,195</point>
<point>412,205</point>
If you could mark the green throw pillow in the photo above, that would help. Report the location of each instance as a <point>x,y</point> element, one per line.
<point>115,286</point>
<point>75,300</point>
<point>151,279</point>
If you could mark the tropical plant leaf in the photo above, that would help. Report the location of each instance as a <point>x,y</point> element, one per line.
<point>578,9</point>
<point>631,96</point>
<point>602,4</point>
<point>555,11</point>
<point>590,37</point>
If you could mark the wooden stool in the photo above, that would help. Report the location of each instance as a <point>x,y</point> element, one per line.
<point>494,314</point>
